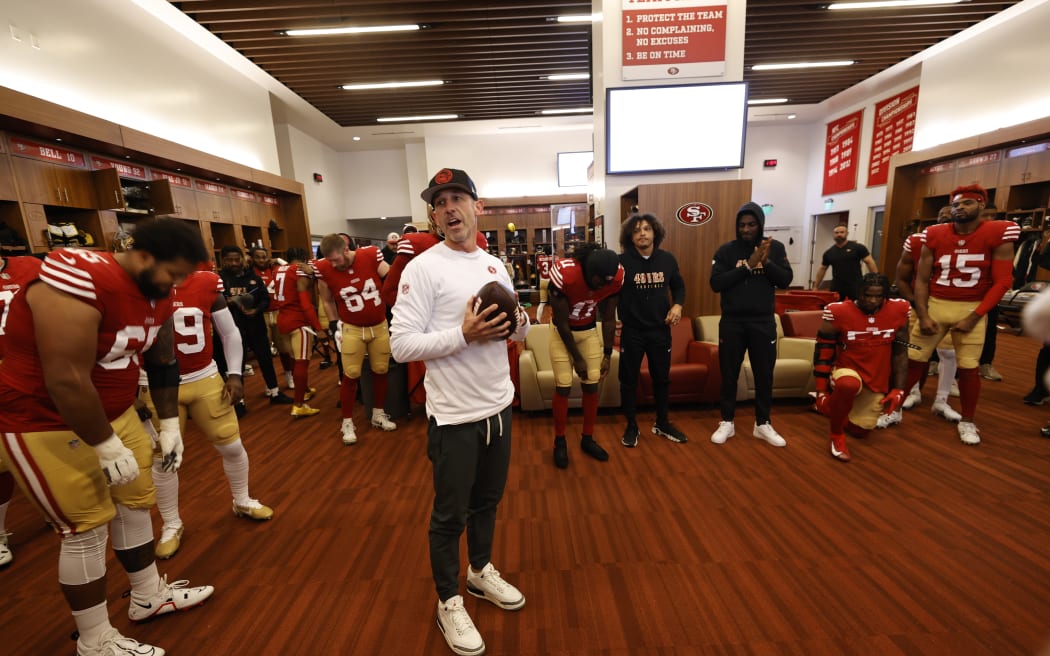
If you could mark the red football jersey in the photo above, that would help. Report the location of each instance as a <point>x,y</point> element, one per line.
<point>16,274</point>
<point>543,266</point>
<point>962,264</point>
<point>128,326</point>
<point>865,341</point>
<point>356,290</point>
<point>292,314</point>
<point>193,300</point>
<point>269,278</point>
<point>568,278</point>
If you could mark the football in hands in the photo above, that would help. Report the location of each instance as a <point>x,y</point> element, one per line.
<point>494,293</point>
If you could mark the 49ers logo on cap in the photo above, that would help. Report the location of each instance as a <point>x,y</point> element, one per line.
<point>443,176</point>
<point>694,214</point>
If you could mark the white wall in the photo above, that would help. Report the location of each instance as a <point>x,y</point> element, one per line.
<point>374,183</point>
<point>155,80</point>
<point>325,201</point>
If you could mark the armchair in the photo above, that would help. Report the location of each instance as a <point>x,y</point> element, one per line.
<point>694,370</point>
<point>536,375</point>
<point>793,373</point>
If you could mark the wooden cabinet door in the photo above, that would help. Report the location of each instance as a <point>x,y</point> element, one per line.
<point>107,189</point>
<point>213,207</point>
<point>1013,171</point>
<point>7,180</point>
<point>185,203</point>
<point>160,197</point>
<point>78,188</point>
<point>37,182</point>
<point>36,226</point>
<point>1038,169</point>
<point>242,211</point>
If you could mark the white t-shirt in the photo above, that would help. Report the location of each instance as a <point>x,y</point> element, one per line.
<point>464,382</point>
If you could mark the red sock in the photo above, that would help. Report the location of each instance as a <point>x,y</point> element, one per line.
<point>590,412</point>
<point>378,390</point>
<point>560,409</point>
<point>347,394</point>
<point>969,390</point>
<point>916,371</point>
<point>300,372</point>
<point>842,397</point>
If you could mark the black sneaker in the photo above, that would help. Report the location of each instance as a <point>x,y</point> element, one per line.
<point>630,436</point>
<point>561,453</point>
<point>671,432</point>
<point>240,409</point>
<point>1035,397</point>
<point>281,399</point>
<point>592,448</point>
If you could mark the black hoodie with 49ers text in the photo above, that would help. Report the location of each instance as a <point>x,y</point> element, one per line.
<point>746,292</point>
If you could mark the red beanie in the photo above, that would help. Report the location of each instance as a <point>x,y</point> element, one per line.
<point>974,192</point>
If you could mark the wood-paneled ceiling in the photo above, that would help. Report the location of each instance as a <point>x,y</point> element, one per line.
<point>492,55</point>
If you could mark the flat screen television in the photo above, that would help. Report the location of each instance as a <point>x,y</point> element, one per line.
<point>572,168</point>
<point>686,127</point>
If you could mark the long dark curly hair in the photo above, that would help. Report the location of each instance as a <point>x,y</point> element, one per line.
<point>628,226</point>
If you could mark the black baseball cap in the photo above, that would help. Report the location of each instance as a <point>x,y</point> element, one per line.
<point>449,179</point>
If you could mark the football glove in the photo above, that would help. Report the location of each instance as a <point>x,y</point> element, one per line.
<point>892,401</point>
<point>170,439</point>
<point>117,461</point>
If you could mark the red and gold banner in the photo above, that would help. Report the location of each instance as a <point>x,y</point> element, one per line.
<point>46,152</point>
<point>124,169</point>
<point>840,154</point>
<point>892,133</point>
<point>665,39</point>
<point>174,178</point>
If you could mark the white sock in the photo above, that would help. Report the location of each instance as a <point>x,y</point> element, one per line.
<point>3,516</point>
<point>91,623</point>
<point>272,392</point>
<point>235,464</point>
<point>946,373</point>
<point>167,484</point>
<point>145,583</point>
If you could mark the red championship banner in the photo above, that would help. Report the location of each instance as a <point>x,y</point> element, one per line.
<point>665,39</point>
<point>46,152</point>
<point>174,178</point>
<point>892,133</point>
<point>840,154</point>
<point>124,169</point>
<point>211,187</point>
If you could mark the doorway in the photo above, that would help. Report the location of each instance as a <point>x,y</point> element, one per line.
<point>876,231</point>
<point>822,229</point>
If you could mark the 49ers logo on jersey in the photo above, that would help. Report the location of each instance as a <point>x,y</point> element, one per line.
<point>694,214</point>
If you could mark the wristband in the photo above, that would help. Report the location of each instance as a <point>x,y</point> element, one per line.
<point>169,424</point>
<point>110,448</point>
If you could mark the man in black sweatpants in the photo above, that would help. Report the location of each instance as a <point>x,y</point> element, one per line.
<point>746,272</point>
<point>650,303</point>
<point>248,300</point>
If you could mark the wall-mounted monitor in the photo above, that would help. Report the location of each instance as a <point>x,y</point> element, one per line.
<point>572,168</point>
<point>675,128</point>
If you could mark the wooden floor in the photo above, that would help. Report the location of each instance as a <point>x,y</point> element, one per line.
<point>920,546</point>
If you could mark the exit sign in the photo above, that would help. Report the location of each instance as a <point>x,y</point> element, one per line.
<point>769,163</point>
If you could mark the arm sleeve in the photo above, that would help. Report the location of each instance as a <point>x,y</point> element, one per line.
<point>231,340</point>
<point>778,269</point>
<point>306,301</point>
<point>724,274</point>
<point>410,340</point>
<point>393,279</point>
<point>1002,278</point>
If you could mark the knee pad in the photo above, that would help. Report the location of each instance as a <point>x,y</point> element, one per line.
<point>232,452</point>
<point>82,558</point>
<point>132,527</point>
<point>847,385</point>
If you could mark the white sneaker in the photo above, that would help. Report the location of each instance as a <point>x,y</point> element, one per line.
<point>913,399</point>
<point>381,420</point>
<point>942,409</point>
<point>5,550</point>
<point>968,433</point>
<point>766,432</point>
<point>349,435</point>
<point>458,628</point>
<point>169,598</point>
<point>490,586</point>
<point>249,370</point>
<point>725,430</point>
<point>289,380</point>
<point>111,643</point>
<point>892,419</point>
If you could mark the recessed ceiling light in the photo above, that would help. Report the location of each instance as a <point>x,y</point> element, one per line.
<point>780,67</point>
<point>885,4</point>
<point>766,101</point>
<point>431,117</point>
<point>579,18</point>
<point>560,77</point>
<point>327,31</point>
<point>391,85</point>
<point>357,138</point>
<point>576,110</point>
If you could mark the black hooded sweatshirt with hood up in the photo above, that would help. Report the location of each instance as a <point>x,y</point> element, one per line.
<point>749,293</point>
